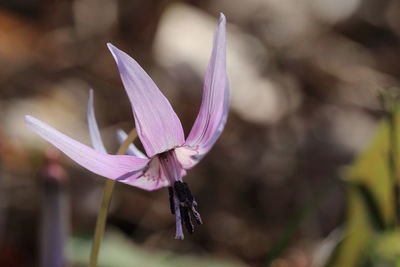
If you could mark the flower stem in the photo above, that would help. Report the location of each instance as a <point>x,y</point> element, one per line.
<point>105,204</point>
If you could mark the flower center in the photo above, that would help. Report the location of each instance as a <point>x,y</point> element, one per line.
<point>170,166</point>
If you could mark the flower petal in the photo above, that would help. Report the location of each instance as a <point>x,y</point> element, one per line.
<point>146,184</point>
<point>132,149</point>
<point>158,127</point>
<point>213,113</point>
<point>115,167</point>
<point>152,179</point>
<point>95,136</point>
<point>188,157</point>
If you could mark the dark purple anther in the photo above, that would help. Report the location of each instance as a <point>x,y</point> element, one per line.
<point>196,215</point>
<point>187,204</point>
<point>180,191</point>
<point>171,199</point>
<point>188,194</point>
<point>186,219</point>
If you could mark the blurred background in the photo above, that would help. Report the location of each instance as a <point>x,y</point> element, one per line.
<point>274,191</point>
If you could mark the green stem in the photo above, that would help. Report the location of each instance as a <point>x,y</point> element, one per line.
<point>393,156</point>
<point>105,204</point>
<point>390,107</point>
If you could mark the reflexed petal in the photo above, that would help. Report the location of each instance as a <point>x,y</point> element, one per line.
<point>213,113</point>
<point>95,136</point>
<point>132,149</point>
<point>158,127</point>
<point>146,184</point>
<point>187,156</point>
<point>152,179</point>
<point>115,167</point>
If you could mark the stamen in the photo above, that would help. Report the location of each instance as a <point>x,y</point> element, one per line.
<point>180,191</point>
<point>196,215</point>
<point>188,194</point>
<point>171,199</point>
<point>181,201</point>
<point>186,219</point>
<point>187,205</point>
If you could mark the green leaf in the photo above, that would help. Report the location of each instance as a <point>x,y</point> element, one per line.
<point>371,207</point>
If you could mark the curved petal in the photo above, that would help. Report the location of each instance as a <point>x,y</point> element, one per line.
<point>132,149</point>
<point>213,113</point>
<point>188,157</point>
<point>158,127</point>
<point>116,167</point>
<point>95,136</point>
<point>152,178</point>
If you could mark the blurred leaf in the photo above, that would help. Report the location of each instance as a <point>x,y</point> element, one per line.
<point>374,214</point>
<point>119,251</point>
<point>371,170</point>
<point>384,250</point>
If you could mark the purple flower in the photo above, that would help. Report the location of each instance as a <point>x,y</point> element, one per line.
<point>160,131</point>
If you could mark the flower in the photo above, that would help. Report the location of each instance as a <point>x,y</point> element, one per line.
<point>168,154</point>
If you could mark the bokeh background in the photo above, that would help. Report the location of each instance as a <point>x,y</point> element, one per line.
<point>305,76</point>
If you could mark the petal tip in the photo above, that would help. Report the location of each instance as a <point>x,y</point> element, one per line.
<point>222,17</point>
<point>112,49</point>
<point>32,123</point>
<point>91,95</point>
<point>29,119</point>
<point>222,23</point>
<point>116,53</point>
<point>110,46</point>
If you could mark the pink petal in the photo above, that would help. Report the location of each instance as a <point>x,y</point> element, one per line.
<point>213,113</point>
<point>146,184</point>
<point>153,177</point>
<point>116,167</point>
<point>158,127</point>
<point>95,136</point>
<point>187,156</point>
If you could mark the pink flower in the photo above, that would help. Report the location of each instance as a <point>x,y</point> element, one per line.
<point>160,131</point>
